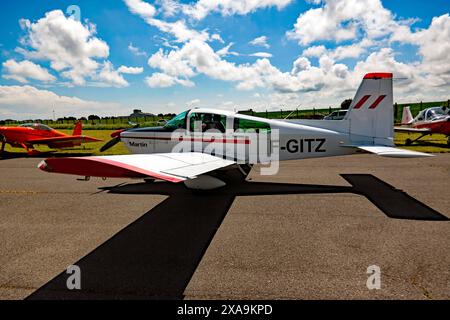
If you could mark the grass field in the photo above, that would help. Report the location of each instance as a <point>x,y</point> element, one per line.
<point>436,143</point>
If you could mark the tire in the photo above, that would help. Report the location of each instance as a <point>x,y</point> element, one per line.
<point>408,142</point>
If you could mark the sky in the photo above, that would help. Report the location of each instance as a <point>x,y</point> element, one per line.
<point>77,58</point>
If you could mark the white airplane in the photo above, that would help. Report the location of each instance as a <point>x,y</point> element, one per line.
<point>197,142</point>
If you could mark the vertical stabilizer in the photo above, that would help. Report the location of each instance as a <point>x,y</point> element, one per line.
<point>407,117</point>
<point>78,129</point>
<point>371,113</point>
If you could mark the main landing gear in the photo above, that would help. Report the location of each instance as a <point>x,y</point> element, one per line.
<point>409,142</point>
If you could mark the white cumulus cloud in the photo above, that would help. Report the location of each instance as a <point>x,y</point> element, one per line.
<point>261,55</point>
<point>130,70</point>
<point>24,70</point>
<point>202,8</point>
<point>260,41</point>
<point>25,102</point>
<point>340,20</point>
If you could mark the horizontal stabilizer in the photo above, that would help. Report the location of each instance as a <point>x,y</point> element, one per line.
<point>392,152</point>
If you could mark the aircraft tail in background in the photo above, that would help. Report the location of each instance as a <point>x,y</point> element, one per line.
<point>78,129</point>
<point>407,117</point>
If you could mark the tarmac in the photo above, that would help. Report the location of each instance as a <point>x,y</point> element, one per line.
<point>256,241</point>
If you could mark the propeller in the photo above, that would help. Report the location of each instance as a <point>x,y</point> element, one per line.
<point>111,143</point>
<point>116,137</point>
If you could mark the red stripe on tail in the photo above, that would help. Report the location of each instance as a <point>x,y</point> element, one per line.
<point>377,102</point>
<point>361,102</point>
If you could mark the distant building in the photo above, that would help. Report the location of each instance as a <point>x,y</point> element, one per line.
<point>137,113</point>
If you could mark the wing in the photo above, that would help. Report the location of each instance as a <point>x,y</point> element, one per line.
<point>54,141</point>
<point>173,167</point>
<point>412,130</point>
<point>392,152</point>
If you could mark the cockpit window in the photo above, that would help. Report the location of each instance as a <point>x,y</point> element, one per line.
<point>178,122</point>
<point>435,112</point>
<point>207,121</point>
<point>36,126</point>
<point>245,125</point>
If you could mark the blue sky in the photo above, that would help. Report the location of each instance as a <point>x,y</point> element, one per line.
<point>167,55</point>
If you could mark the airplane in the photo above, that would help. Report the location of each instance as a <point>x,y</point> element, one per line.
<point>29,134</point>
<point>213,140</point>
<point>427,122</point>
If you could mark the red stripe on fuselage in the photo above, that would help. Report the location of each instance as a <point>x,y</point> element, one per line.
<point>209,140</point>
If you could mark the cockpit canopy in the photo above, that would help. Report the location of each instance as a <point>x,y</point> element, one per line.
<point>431,114</point>
<point>202,120</point>
<point>36,126</point>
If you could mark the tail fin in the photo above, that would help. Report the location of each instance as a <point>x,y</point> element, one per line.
<point>371,116</point>
<point>78,128</point>
<point>407,117</point>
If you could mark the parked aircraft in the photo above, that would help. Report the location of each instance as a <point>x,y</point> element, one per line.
<point>197,142</point>
<point>30,134</point>
<point>428,121</point>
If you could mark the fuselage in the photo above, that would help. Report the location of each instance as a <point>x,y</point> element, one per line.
<point>437,126</point>
<point>241,137</point>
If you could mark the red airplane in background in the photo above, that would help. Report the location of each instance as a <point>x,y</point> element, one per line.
<point>428,121</point>
<point>29,134</point>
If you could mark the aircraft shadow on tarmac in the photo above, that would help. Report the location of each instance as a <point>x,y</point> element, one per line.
<point>155,256</point>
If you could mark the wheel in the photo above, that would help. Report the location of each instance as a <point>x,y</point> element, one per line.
<point>408,142</point>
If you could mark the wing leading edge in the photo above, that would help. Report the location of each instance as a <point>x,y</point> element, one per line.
<point>173,167</point>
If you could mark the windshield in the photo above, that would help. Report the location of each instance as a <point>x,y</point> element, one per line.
<point>37,126</point>
<point>438,111</point>
<point>435,112</point>
<point>177,122</point>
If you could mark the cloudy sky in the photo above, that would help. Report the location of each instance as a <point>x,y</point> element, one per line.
<point>108,57</point>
